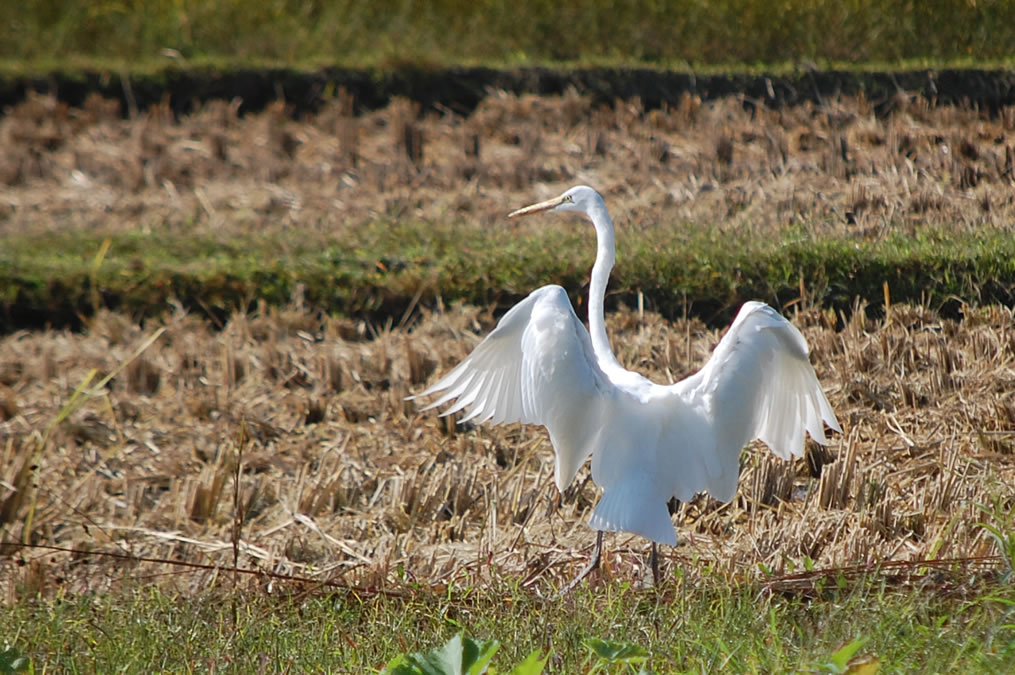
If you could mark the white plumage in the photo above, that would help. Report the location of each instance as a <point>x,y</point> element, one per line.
<point>648,442</point>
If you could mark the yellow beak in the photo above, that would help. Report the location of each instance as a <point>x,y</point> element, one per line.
<point>536,208</point>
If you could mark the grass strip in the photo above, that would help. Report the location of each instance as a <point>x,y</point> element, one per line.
<point>378,271</point>
<point>699,623</point>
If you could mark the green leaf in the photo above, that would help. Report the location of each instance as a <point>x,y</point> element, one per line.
<point>617,652</point>
<point>477,655</point>
<point>839,661</point>
<point>841,658</point>
<point>11,661</point>
<point>444,661</point>
<point>400,666</point>
<point>532,665</point>
<point>998,598</point>
<point>459,656</point>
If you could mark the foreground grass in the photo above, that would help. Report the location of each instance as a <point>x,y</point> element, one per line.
<point>381,270</point>
<point>694,624</point>
<point>398,31</point>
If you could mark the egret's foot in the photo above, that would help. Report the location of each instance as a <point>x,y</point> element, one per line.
<point>593,565</point>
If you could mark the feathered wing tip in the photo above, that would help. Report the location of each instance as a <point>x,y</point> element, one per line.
<point>483,385</point>
<point>762,383</point>
<point>827,414</point>
<point>634,506</point>
<point>796,404</point>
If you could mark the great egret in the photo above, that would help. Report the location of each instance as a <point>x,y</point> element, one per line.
<point>648,442</point>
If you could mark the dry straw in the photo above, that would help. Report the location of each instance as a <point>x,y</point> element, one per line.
<point>365,490</point>
<point>281,441</point>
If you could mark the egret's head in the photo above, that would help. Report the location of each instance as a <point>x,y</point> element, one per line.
<point>580,198</point>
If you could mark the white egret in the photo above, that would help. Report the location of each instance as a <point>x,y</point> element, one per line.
<point>648,442</point>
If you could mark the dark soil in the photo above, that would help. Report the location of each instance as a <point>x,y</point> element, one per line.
<point>461,89</point>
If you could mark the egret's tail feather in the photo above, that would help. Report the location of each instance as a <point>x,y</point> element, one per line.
<point>633,506</point>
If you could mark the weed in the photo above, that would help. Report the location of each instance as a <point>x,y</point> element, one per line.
<point>1001,531</point>
<point>12,661</point>
<point>461,656</point>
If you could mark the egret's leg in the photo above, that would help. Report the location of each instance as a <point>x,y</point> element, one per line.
<point>593,564</point>
<point>673,505</point>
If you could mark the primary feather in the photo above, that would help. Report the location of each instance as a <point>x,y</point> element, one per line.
<point>648,442</point>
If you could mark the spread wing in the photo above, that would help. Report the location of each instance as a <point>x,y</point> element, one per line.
<point>759,384</point>
<point>536,367</point>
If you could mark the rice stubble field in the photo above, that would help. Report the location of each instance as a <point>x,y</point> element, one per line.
<point>280,440</point>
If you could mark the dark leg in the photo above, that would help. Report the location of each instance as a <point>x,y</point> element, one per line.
<point>673,505</point>
<point>593,564</point>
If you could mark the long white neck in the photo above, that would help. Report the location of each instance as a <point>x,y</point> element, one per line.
<point>605,257</point>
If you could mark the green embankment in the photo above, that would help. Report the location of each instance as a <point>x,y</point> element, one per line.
<point>381,270</point>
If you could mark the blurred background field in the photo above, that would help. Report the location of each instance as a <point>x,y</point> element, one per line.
<point>376,214</point>
<point>492,32</point>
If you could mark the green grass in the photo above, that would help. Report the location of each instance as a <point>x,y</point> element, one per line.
<point>398,32</point>
<point>696,623</point>
<point>380,270</point>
